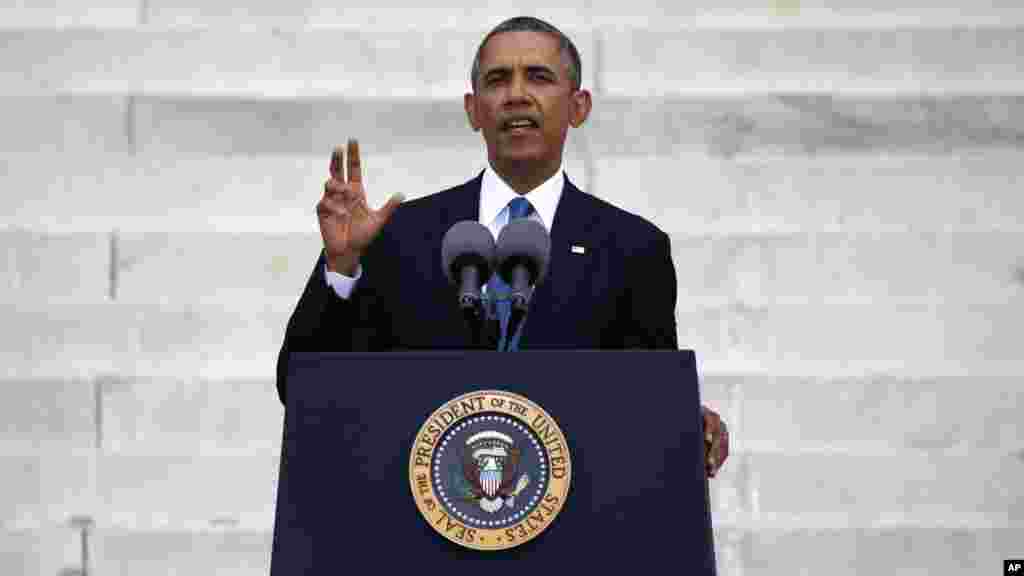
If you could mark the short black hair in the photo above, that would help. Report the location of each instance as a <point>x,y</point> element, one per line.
<point>531,24</point>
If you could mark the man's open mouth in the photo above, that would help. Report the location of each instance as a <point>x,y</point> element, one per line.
<point>519,125</point>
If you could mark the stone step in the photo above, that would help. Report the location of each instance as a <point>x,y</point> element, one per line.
<point>241,340</point>
<point>58,124</point>
<point>694,193</point>
<point>859,339</point>
<point>801,124</point>
<point>180,340</point>
<point>873,61</point>
<point>878,475</point>
<point>741,551</point>
<point>980,489</point>
<point>434,63</point>
<point>823,269</point>
<point>756,489</point>
<point>139,491</point>
<point>717,126</point>
<point>931,551</point>
<point>47,488</point>
<point>406,14</point>
<point>259,64</point>
<point>48,268</point>
<point>70,13</point>
<point>869,414</point>
<point>766,413</point>
<point>50,551</point>
<point>49,415</point>
<point>687,194</point>
<point>757,269</point>
<point>178,417</point>
<point>213,552</point>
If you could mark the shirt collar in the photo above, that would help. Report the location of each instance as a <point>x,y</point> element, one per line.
<point>495,195</point>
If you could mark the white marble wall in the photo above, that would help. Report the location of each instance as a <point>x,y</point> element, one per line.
<point>841,180</point>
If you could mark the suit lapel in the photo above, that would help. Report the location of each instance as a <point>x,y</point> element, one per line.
<point>570,228</point>
<point>462,204</point>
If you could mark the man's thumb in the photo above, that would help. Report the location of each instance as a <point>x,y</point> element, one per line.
<point>390,206</point>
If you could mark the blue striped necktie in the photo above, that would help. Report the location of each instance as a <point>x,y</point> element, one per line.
<point>498,290</point>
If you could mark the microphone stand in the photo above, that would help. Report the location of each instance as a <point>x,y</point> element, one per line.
<point>520,302</point>
<point>471,314</point>
<point>484,327</point>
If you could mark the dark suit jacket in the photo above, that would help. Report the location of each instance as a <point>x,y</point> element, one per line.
<point>620,293</point>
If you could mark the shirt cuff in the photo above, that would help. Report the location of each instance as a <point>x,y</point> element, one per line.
<point>341,284</point>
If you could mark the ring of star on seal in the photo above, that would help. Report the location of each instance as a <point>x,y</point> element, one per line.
<point>490,470</point>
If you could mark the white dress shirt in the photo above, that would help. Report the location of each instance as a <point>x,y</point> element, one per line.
<point>495,195</point>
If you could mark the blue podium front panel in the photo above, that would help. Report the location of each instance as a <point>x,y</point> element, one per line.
<point>631,423</point>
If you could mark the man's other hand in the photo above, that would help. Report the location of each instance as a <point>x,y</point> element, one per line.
<point>716,441</point>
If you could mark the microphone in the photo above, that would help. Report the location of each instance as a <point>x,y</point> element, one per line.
<point>467,254</point>
<point>522,256</point>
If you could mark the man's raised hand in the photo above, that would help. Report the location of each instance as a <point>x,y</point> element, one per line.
<point>347,224</point>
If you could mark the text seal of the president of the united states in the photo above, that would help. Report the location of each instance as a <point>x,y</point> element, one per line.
<point>490,470</point>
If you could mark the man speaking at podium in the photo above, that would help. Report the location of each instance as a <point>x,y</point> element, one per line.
<point>379,285</point>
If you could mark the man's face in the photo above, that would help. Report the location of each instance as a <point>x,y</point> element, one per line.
<point>524,100</point>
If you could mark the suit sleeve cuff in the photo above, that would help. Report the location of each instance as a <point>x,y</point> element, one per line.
<point>341,284</point>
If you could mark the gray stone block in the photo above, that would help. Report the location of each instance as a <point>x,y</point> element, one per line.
<point>180,192</point>
<point>869,61</point>
<point>187,492</point>
<point>40,267</point>
<point>385,15</point>
<point>898,550</point>
<point>857,339</point>
<point>214,341</point>
<point>47,488</point>
<point>778,194</point>
<point>858,268</point>
<point>218,551</point>
<point>246,62</point>
<point>185,417</point>
<point>48,551</point>
<point>879,414</point>
<point>791,14</point>
<point>69,13</point>
<point>803,123</point>
<point>47,416</point>
<point>213,267</point>
<point>894,488</point>
<point>62,124</point>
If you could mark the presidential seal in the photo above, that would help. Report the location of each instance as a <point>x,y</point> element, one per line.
<point>490,470</point>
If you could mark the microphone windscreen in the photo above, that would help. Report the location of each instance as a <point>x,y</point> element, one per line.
<point>523,241</point>
<point>467,243</point>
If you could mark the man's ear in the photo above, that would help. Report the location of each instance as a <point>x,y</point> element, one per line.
<point>580,106</point>
<point>469,102</point>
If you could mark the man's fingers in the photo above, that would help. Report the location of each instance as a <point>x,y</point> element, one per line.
<point>338,164</point>
<point>330,206</point>
<point>723,446</point>
<point>339,189</point>
<point>355,169</point>
<point>711,424</point>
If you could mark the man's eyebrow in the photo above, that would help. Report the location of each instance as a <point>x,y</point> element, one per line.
<point>497,70</point>
<point>505,70</point>
<point>541,68</point>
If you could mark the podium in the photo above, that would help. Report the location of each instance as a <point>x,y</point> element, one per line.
<point>631,420</point>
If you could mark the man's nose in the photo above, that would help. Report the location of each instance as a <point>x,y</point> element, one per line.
<point>517,91</point>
